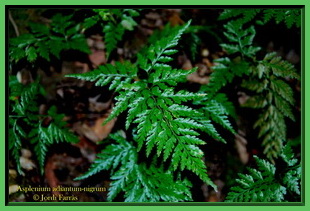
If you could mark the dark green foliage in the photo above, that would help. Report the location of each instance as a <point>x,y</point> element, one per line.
<point>289,16</point>
<point>264,184</point>
<point>275,98</point>
<point>27,125</point>
<point>163,122</point>
<point>241,39</point>
<point>227,69</point>
<point>46,40</point>
<point>216,109</point>
<point>224,72</point>
<point>139,181</point>
<point>114,22</point>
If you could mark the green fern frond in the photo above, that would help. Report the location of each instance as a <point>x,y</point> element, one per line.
<point>258,186</point>
<point>120,75</point>
<point>218,114</point>
<point>16,134</point>
<point>279,67</point>
<point>264,184</point>
<point>24,115</point>
<point>55,132</point>
<point>224,72</point>
<point>275,97</point>
<point>289,16</point>
<point>241,39</point>
<point>114,23</point>
<point>292,180</point>
<point>164,123</point>
<point>46,40</point>
<point>242,15</point>
<point>136,180</point>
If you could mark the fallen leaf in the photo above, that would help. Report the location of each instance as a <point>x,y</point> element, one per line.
<point>97,132</point>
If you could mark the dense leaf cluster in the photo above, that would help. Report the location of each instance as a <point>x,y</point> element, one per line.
<point>27,125</point>
<point>44,40</point>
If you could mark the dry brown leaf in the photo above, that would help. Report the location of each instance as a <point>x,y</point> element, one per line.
<point>97,132</point>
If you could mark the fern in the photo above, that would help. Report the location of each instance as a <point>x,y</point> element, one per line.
<point>275,98</point>
<point>290,17</point>
<point>241,39</point>
<point>241,48</point>
<point>140,182</point>
<point>224,73</point>
<point>163,123</point>
<point>114,23</point>
<point>264,184</point>
<point>46,40</point>
<point>27,125</point>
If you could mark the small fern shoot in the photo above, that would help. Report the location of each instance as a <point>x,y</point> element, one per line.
<point>241,39</point>
<point>114,23</point>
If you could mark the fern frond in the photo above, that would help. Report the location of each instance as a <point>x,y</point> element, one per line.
<point>241,39</point>
<point>113,34</point>
<point>292,180</point>
<point>43,41</point>
<point>289,16</point>
<point>139,182</point>
<point>42,137</point>
<point>114,23</point>
<point>16,134</point>
<point>25,99</point>
<point>275,97</point>
<point>259,186</point>
<point>158,53</point>
<point>264,184</point>
<point>279,67</point>
<point>224,72</point>
<point>121,105</point>
<point>119,75</point>
<point>164,123</point>
<point>247,14</point>
<point>217,113</point>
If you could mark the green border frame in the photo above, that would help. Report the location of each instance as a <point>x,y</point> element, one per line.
<point>152,206</point>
